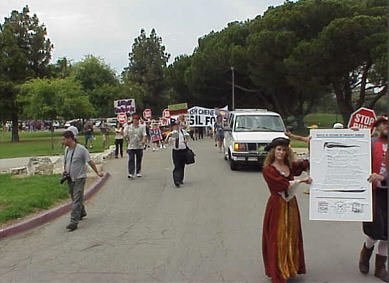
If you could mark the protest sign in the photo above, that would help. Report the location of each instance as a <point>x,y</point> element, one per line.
<point>178,109</point>
<point>121,117</point>
<point>124,106</point>
<point>147,114</point>
<point>363,118</point>
<point>201,117</point>
<point>340,164</point>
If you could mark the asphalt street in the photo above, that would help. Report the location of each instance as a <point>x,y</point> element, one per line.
<point>146,230</point>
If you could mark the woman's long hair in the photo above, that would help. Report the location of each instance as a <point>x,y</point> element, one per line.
<point>271,156</point>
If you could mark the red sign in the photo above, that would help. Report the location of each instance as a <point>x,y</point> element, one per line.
<point>147,114</point>
<point>121,117</point>
<point>363,118</point>
<point>166,114</point>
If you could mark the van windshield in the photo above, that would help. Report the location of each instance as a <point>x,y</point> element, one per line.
<point>259,123</point>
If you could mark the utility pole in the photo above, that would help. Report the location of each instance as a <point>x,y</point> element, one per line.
<point>233,88</point>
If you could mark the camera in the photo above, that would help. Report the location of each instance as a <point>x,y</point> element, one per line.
<point>65,177</point>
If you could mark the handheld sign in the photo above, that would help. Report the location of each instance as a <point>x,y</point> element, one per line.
<point>166,114</point>
<point>147,114</point>
<point>124,106</point>
<point>122,117</point>
<point>363,118</point>
<point>178,109</point>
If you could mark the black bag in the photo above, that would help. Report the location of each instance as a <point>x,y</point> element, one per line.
<point>190,156</point>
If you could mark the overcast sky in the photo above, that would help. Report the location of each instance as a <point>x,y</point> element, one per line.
<point>107,28</point>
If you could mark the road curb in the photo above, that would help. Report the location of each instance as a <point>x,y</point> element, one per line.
<point>51,214</point>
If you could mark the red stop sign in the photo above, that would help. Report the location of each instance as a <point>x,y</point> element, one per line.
<point>147,114</point>
<point>166,114</point>
<point>363,118</point>
<point>122,117</point>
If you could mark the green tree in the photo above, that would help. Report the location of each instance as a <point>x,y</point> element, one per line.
<point>148,60</point>
<point>25,53</point>
<point>100,83</point>
<point>348,56</point>
<point>51,99</point>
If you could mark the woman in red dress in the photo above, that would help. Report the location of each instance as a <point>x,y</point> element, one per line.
<point>282,241</point>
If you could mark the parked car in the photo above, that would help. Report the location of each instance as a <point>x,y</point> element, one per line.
<point>111,122</point>
<point>248,132</point>
<point>69,123</point>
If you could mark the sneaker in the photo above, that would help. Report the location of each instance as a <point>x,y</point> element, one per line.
<point>177,185</point>
<point>130,176</point>
<point>71,227</point>
<point>139,175</point>
<point>153,149</point>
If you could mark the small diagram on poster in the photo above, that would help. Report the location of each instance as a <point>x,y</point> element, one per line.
<point>340,163</point>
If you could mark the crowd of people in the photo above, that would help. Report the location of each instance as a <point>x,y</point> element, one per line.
<point>282,236</point>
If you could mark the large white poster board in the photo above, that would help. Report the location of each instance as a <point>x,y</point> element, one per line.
<point>340,162</point>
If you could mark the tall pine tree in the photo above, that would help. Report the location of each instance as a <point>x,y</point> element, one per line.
<point>148,60</point>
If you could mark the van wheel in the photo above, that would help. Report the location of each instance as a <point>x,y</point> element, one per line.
<point>233,164</point>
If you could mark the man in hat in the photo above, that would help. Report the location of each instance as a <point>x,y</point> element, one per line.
<point>179,149</point>
<point>376,231</point>
<point>136,137</point>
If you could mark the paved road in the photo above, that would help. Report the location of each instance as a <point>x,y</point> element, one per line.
<point>145,230</point>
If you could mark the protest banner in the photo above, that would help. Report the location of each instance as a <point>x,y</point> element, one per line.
<point>124,106</point>
<point>340,164</point>
<point>201,117</point>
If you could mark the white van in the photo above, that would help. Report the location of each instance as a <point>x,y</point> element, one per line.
<point>247,134</point>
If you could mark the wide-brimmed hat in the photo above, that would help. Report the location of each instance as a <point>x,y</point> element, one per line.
<point>276,142</point>
<point>380,120</point>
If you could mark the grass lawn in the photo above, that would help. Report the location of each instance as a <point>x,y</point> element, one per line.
<point>22,196</point>
<point>298,144</point>
<point>323,120</point>
<point>39,143</point>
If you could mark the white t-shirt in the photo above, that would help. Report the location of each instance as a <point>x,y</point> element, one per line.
<point>181,138</point>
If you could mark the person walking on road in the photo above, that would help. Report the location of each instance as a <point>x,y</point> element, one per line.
<point>180,139</point>
<point>282,242</point>
<point>118,139</point>
<point>75,159</point>
<point>219,132</point>
<point>136,136</point>
<point>377,231</point>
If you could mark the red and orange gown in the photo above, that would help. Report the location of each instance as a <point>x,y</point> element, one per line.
<point>282,241</point>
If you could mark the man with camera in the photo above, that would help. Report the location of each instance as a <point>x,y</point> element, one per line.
<point>75,159</point>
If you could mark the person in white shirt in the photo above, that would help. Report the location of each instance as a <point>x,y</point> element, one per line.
<point>119,139</point>
<point>136,137</point>
<point>180,139</point>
